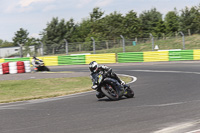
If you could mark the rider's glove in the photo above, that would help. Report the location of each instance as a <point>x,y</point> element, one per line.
<point>94,87</point>
<point>106,74</point>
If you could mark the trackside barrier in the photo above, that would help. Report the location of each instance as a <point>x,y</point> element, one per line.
<point>101,58</point>
<point>151,56</point>
<point>50,60</point>
<point>16,59</point>
<point>196,54</point>
<point>71,60</point>
<point>155,56</point>
<point>130,57</point>
<point>15,67</point>
<point>1,71</point>
<point>181,55</point>
<point>1,60</point>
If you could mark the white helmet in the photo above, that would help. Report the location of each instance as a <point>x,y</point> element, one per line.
<point>93,66</point>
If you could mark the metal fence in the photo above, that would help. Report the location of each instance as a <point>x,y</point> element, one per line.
<point>176,41</point>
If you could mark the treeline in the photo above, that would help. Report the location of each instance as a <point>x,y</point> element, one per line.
<point>109,27</point>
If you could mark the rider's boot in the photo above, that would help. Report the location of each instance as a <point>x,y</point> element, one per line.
<point>126,87</point>
<point>100,95</point>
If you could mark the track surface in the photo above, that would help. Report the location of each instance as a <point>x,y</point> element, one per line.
<point>167,101</point>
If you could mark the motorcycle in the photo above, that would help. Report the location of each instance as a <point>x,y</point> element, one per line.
<point>40,66</point>
<point>111,88</point>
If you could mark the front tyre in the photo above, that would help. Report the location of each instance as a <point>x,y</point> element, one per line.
<point>110,92</point>
<point>130,92</point>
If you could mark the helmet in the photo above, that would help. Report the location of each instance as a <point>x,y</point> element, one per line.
<point>34,57</point>
<point>93,66</point>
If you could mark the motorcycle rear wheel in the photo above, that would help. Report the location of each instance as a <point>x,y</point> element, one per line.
<point>111,93</point>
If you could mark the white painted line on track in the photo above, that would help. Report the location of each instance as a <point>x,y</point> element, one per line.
<point>194,131</point>
<point>133,78</point>
<point>176,128</point>
<point>160,71</point>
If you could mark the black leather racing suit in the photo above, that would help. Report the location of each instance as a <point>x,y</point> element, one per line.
<point>109,73</point>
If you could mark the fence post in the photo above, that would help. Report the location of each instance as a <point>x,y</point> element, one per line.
<point>20,45</point>
<point>152,41</point>
<point>66,47</point>
<point>123,43</point>
<point>42,48</point>
<point>183,38</point>
<point>93,41</point>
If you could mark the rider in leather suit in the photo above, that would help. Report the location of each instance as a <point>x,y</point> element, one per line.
<point>95,68</point>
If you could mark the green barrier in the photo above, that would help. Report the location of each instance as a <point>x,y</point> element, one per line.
<point>180,55</point>
<point>17,59</point>
<point>71,60</point>
<point>130,57</point>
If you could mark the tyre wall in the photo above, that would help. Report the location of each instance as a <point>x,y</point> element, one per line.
<point>15,67</point>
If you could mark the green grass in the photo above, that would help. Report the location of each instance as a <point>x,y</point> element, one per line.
<point>20,90</point>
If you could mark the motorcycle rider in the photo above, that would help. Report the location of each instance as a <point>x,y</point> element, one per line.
<point>35,62</point>
<point>95,68</point>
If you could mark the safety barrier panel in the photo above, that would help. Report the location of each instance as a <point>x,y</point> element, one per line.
<point>155,56</point>
<point>130,57</point>
<point>101,58</point>
<point>180,55</point>
<point>1,60</point>
<point>196,54</point>
<point>50,60</point>
<point>71,60</point>
<point>16,59</point>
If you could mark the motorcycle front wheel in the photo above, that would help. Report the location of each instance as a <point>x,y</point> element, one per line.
<point>130,93</point>
<point>110,92</point>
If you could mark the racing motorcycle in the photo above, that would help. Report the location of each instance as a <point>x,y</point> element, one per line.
<point>41,66</point>
<point>111,88</point>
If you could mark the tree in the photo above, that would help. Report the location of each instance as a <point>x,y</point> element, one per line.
<point>21,37</point>
<point>172,22</point>
<point>197,18</point>
<point>112,25</point>
<point>149,21</point>
<point>189,20</point>
<point>82,30</point>
<point>56,32</point>
<point>5,44</point>
<point>96,14</point>
<point>131,25</point>
<point>160,28</point>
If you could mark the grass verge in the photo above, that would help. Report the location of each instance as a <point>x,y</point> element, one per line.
<point>21,90</point>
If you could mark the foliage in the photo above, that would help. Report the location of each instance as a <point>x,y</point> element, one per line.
<point>21,37</point>
<point>189,20</point>
<point>172,22</point>
<point>6,44</point>
<point>149,21</point>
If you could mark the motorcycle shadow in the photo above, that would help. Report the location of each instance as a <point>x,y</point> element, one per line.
<point>109,100</point>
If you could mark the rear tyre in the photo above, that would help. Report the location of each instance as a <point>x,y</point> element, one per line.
<point>110,92</point>
<point>46,68</point>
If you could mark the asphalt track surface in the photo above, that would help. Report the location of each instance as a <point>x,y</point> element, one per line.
<point>167,100</point>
